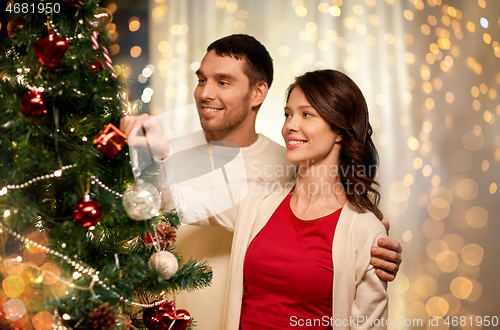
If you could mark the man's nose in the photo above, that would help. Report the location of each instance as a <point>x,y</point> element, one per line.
<point>207,91</point>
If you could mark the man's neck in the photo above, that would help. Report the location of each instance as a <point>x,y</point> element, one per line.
<point>240,138</point>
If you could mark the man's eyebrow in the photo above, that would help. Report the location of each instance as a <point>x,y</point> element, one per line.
<point>225,75</point>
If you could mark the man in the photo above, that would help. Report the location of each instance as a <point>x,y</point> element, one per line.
<point>233,81</point>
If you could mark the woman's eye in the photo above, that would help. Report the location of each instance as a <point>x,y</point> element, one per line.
<point>287,115</point>
<point>307,114</point>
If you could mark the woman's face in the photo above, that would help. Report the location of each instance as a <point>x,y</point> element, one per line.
<point>309,138</point>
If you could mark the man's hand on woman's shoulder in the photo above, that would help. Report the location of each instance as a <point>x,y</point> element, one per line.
<point>386,257</point>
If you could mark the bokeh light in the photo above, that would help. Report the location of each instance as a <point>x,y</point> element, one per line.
<point>467,189</point>
<point>14,309</point>
<point>13,286</point>
<point>437,306</point>
<point>476,216</point>
<point>461,287</point>
<point>43,321</point>
<point>472,254</point>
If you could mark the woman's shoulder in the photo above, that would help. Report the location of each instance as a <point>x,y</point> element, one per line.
<point>365,222</point>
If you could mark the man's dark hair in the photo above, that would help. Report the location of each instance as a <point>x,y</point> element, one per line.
<point>242,46</point>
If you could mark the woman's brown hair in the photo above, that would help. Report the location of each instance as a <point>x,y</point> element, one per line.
<point>339,101</point>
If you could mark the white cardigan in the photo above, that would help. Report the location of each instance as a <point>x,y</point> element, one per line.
<point>359,296</point>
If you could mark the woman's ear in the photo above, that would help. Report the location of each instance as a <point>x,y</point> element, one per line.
<point>339,137</point>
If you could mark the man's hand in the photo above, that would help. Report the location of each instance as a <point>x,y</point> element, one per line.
<point>387,256</point>
<point>145,131</point>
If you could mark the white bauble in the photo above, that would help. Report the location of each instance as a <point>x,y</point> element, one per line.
<point>141,200</point>
<point>165,262</point>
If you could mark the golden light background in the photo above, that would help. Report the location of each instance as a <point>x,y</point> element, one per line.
<point>430,72</point>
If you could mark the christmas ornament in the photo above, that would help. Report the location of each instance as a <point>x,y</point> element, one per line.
<point>96,67</point>
<point>101,19</point>
<point>122,322</point>
<point>165,235</point>
<point>164,262</point>
<point>33,104</point>
<point>102,317</point>
<point>17,24</point>
<point>165,316</point>
<point>110,141</point>
<point>95,41</point>
<point>50,50</point>
<point>87,213</point>
<point>109,62</point>
<point>105,52</point>
<point>74,3</point>
<point>141,200</point>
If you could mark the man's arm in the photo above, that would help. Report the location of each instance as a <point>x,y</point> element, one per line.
<point>387,256</point>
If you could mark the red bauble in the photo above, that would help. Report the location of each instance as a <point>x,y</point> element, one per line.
<point>87,213</point>
<point>97,67</point>
<point>33,104</point>
<point>148,239</point>
<point>17,24</point>
<point>165,316</point>
<point>110,141</point>
<point>51,50</point>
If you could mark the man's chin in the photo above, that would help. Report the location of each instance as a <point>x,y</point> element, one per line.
<point>210,127</point>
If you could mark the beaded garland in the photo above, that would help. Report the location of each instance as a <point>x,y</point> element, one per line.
<point>78,266</point>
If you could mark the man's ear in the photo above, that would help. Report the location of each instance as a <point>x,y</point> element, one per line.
<point>259,93</point>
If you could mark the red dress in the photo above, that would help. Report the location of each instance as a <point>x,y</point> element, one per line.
<point>288,273</point>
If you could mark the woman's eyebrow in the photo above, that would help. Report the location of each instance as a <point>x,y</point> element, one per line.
<point>305,106</point>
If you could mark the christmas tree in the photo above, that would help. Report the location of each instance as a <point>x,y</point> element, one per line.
<point>84,246</point>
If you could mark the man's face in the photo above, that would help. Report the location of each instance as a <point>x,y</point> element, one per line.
<point>223,94</point>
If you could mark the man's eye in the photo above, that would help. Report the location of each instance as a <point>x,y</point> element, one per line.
<point>287,115</point>
<point>201,81</point>
<point>223,83</point>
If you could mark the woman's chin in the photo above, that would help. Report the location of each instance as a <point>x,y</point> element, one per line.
<point>292,159</point>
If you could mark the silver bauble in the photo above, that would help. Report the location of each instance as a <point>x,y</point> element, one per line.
<point>165,262</point>
<point>141,200</point>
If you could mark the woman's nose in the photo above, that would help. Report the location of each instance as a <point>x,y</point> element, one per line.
<point>291,124</point>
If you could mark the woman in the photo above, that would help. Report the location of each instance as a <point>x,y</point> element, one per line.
<point>300,254</point>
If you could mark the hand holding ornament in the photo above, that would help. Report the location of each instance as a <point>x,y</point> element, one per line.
<point>145,131</point>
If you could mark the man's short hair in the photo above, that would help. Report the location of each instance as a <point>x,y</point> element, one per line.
<point>242,46</point>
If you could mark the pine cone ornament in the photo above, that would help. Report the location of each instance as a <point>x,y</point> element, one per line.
<point>165,234</point>
<point>74,3</point>
<point>102,317</point>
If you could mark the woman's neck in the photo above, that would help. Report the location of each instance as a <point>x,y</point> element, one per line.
<point>318,190</point>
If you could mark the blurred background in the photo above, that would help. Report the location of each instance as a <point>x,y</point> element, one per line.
<point>430,72</point>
